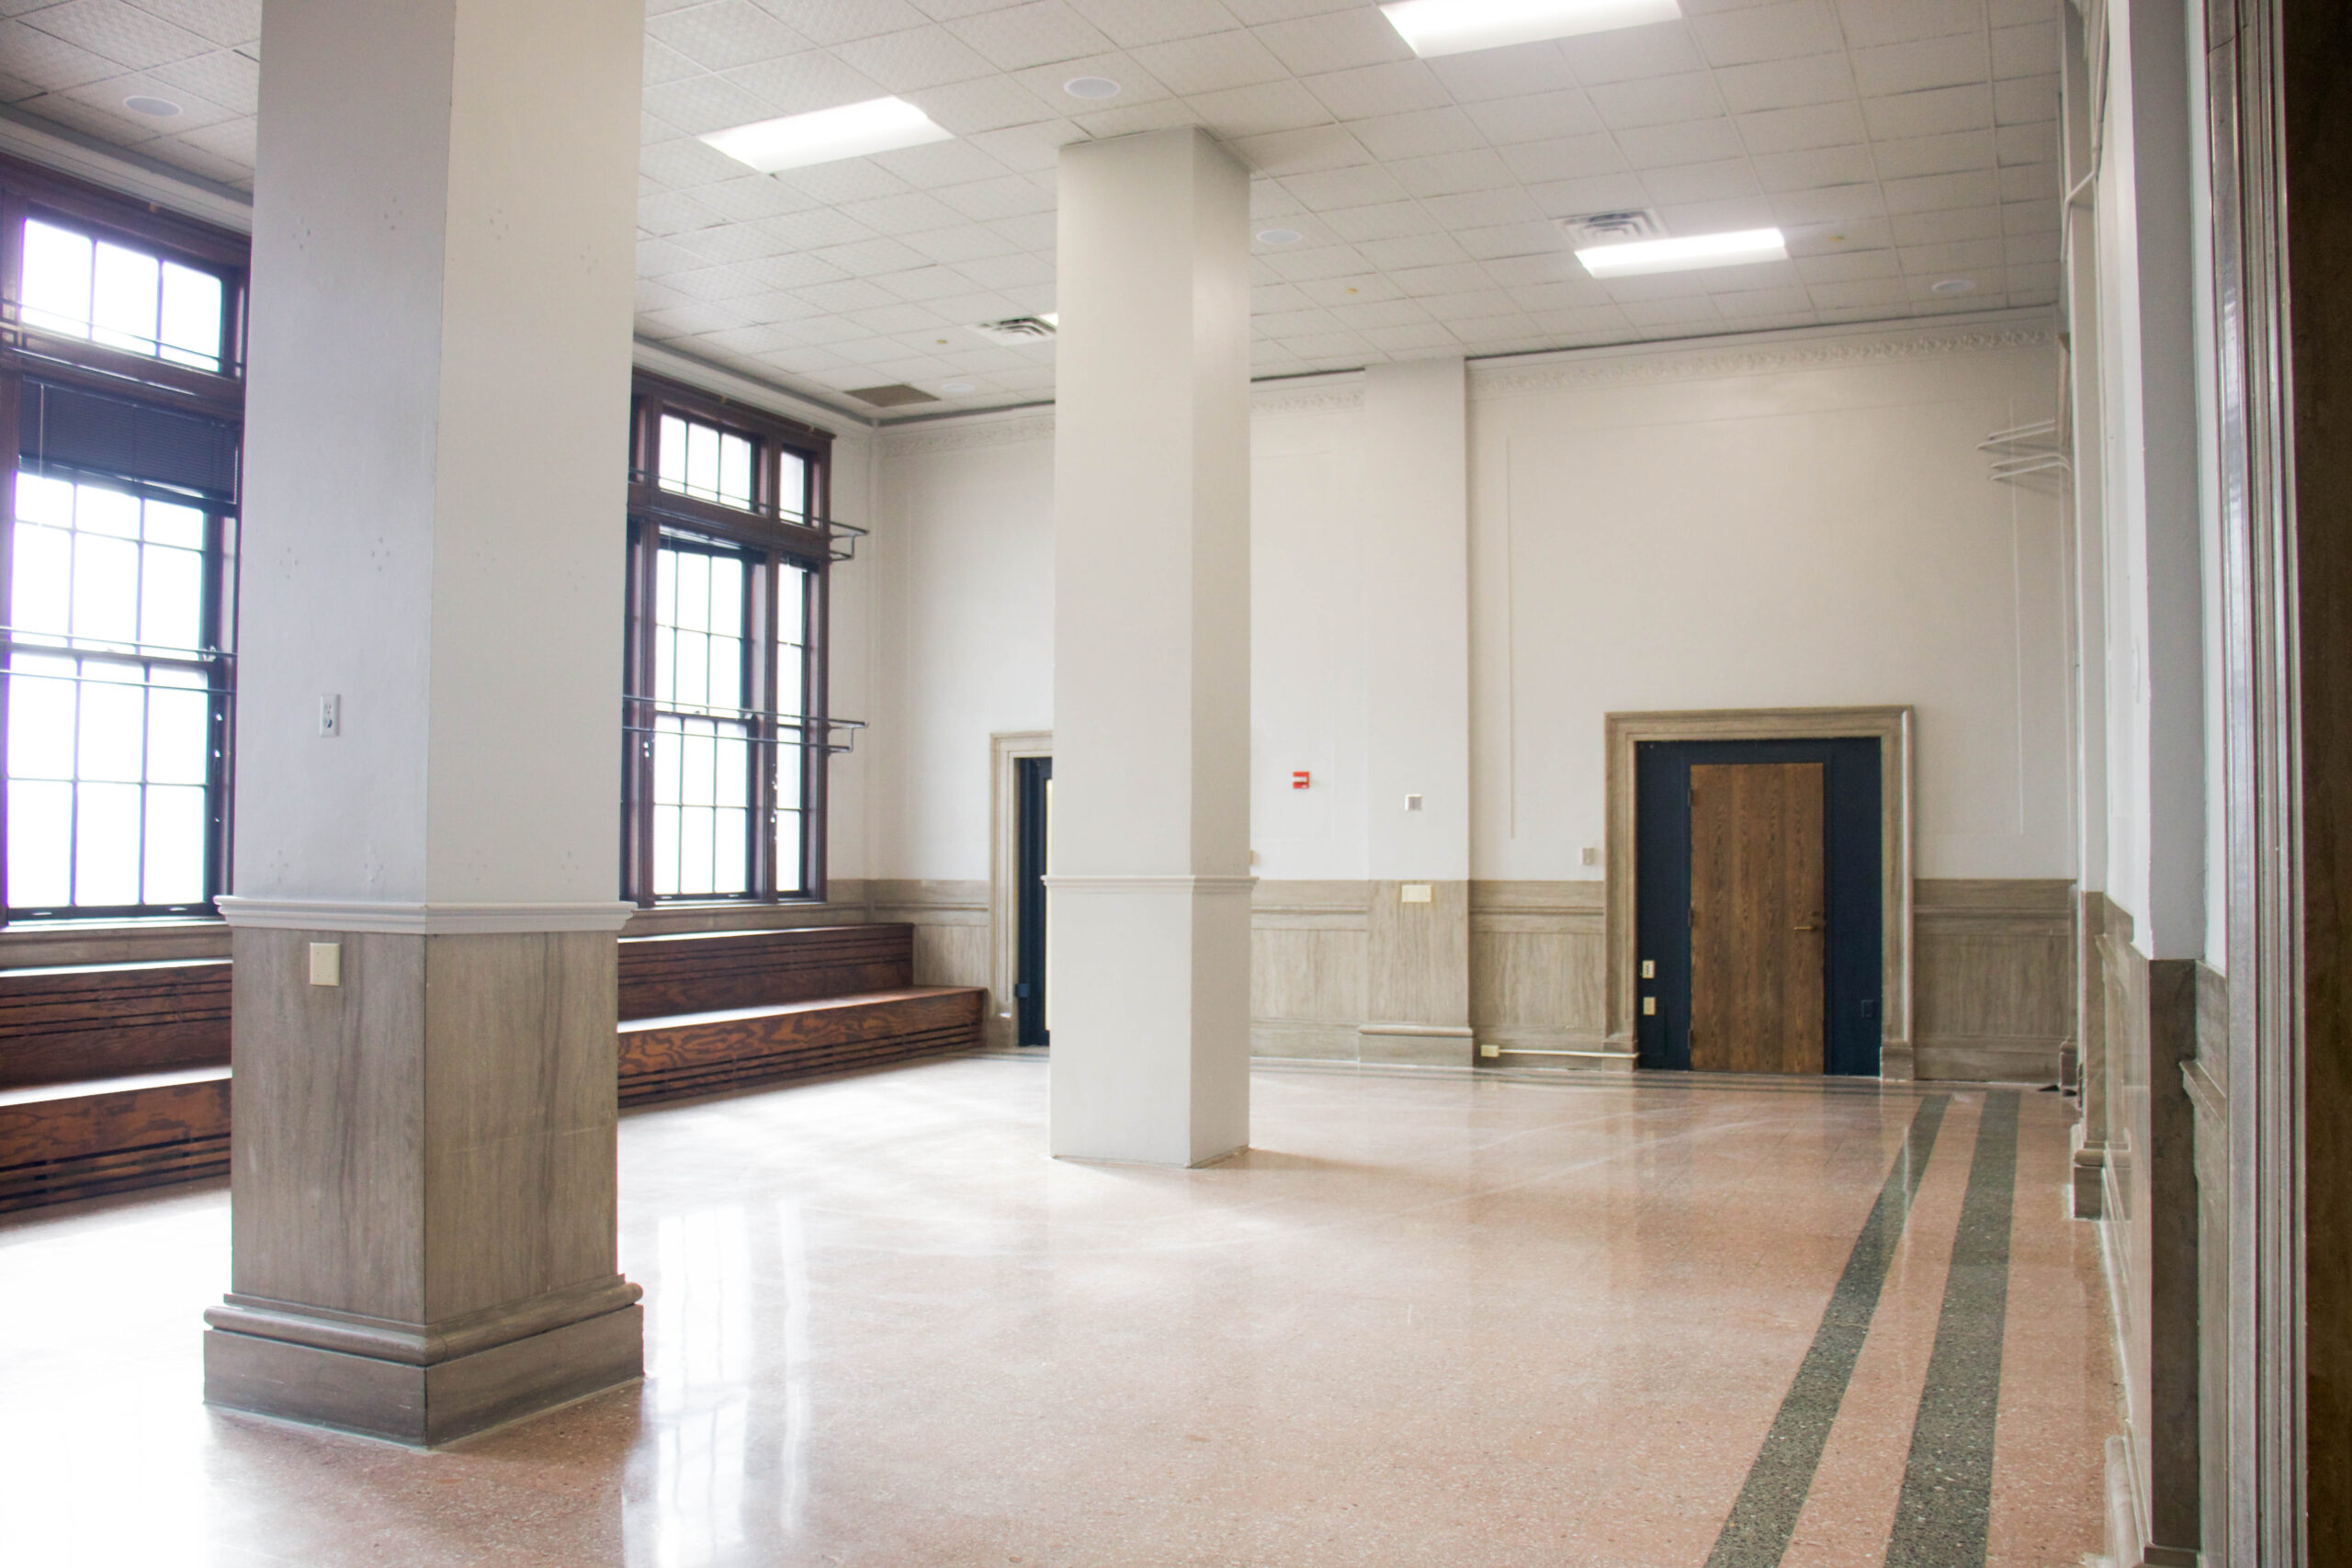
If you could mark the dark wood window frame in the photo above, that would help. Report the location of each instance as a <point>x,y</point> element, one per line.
<point>773,531</point>
<point>33,359</point>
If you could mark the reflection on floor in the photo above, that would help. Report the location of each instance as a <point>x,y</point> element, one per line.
<point>1428,1321</point>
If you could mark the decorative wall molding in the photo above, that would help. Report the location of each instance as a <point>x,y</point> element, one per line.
<point>422,919</point>
<point>1619,369</point>
<point>922,440</point>
<point>1322,400</point>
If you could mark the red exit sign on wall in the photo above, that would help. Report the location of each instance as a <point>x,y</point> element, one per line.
<point>1298,779</point>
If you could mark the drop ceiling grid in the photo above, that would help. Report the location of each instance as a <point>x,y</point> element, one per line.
<point>1898,141</point>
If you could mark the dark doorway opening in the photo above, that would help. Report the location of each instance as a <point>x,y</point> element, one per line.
<point>1033,805</point>
<point>1849,883</point>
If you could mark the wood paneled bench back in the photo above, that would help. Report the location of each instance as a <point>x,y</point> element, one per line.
<point>704,1014</point>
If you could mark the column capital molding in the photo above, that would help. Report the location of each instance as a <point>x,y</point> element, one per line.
<point>405,918</point>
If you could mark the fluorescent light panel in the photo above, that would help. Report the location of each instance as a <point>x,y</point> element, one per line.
<point>1641,256</point>
<point>1457,27</point>
<point>825,136</point>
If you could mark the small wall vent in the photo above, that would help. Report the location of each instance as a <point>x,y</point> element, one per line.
<point>1017,330</point>
<point>1612,228</point>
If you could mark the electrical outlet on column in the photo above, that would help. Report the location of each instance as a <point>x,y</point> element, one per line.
<point>330,715</point>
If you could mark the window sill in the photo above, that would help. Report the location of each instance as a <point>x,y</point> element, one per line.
<point>35,945</point>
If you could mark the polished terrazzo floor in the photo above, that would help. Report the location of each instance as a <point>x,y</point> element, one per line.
<point>1427,1321</point>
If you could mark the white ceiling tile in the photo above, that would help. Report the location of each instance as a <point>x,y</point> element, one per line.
<point>230,22</point>
<point>1716,216</point>
<point>1952,256</point>
<point>1852,237</point>
<point>1126,120</point>
<point>50,60</point>
<point>1019,269</point>
<point>1130,23</point>
<point>1796,129</point>
<point>1954,154</point>
<point>958,242</point>
<point>1484,209</point>
<point>1301,151</point>
<point>1349,288</point>
<point>1453,174</point>
<point>905,214</point>
<point>1499,334</point>
<point>920,57</point>
<point>865,258</point>
<point>985,103</point>
<point>1564,158</point>
<point>1035,146</point>
<point>1356,317</point>
<point>1787,84</point>
<point>2024,99</point>
<point>1870,22</point>
<point>813,229</point>
<point>1325,190</point>
<point>853,179</point>
<point>1722,180</point>
<point>986,200</point>
<point>1334,41</point>
<point>1937,193</point>
<point>850,294</point>
<point>1280,325</point>
<point>670,212</point>
<point>1816,167</point>
<point>1504,240</point>
<point>1930,113</point>
<point>1368,90</point>
<point>106,97</point>
<point>1632,54</point>
<point>1742,303</point>
<point>1535,117</point>
<point>1467,304</point>
<point>1243,113</point>
<point>1418,134</point>
<point>1036,34</point>
<point>1050,83</point>
<point>662,64</point>
<point>124,34</point>
<point>225,76</point>
<point>1601,323</point>
<point>1601,193</point>
<point>2039,284</point>
<point>1211,61</point>
<point>938,163</point>
<point>1394,256</point>
<point>1683,142</point>
<point>1940,228</point>
<point>1032,231</point>
<point>789,272</point>
<point>1767,32</point>
<point>1389,220</point>
<point>2030,50</point>
<point>1624,105</point>
<point>2032,217</point>
<point>1847,267</point>
<point>794,83</point>
<point>838,21</point>
<point>2030,182</point>
<point>1954,62</point>
<point>1504,73</point>
<point>111,125</point>
<point>724,33</point>
<point>231,138</point>
<point>2034,144</point>
<point>1279,297</point>
<point>1433,282</point>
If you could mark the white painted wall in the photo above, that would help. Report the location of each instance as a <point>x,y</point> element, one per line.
<point>1806,524</point>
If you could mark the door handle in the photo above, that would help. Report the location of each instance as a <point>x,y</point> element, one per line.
<point>1804,927</point>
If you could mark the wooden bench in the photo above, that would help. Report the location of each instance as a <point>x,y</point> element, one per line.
<point>705,1014</point>
<point>112,1077</point>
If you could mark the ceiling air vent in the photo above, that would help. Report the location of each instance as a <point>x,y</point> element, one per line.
<point>1612,228</point>
<point>891,397</point>
<point>1017,330</point>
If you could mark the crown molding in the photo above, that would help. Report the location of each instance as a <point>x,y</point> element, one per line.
<point>964,435</point>
<point>1324,400</point>
<point>1809,351</point>
<point>123,171</point>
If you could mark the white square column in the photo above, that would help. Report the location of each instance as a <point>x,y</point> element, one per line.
<point>1151,885</point>
<point>422,1176</point>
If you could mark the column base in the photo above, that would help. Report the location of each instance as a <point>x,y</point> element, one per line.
<point>418,1385</point>
<point>1417,1045</point>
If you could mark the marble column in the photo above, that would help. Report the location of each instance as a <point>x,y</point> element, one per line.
<point>1150,893</point>
<point>423,1175</point>
<point>1416,712</point>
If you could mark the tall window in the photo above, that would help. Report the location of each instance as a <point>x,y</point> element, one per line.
<point>116,551</point>
<point>725,715</point>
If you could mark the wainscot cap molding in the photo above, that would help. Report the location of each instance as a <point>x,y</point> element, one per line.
<point>423,919</point>
<point>1814,348</point>
<point>1241,885</point>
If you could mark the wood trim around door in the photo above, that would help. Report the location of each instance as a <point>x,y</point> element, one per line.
<point>1891,727</point>
<point>1001,1028</point>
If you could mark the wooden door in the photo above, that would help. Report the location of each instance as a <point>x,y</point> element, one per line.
<point>1758,917</point>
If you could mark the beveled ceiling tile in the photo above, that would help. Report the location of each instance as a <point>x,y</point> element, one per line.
<point>1349,288</point>
<point>724,33</point>
<point>1845,266</point>
<point>1769,32</point>
<point>1326,190</point>
<point>1418,134</point>
<point>1131,23</point>
<point>1334,40</point>
<point>985,103</point>
<point>1395,256</point>
<point>920,57</point>
<point>2030,182</point>
<point>1955,61</point>
<point>1787,84</point>
<point>1952,256</point>
<point>1423,336</point>
<point>1815,168</point>
<point>1504,73</point>
<point>1930,113</point>
<point>1017,269</point>
<point>1658,100</point>
<point>958,242</point>
<point>1873,22</point>
<point>2025,52</point>
<point>697,105</point>
<point>1601,193</point>
<point>1939,228</point>
<point>1564,158</point>
<point>2024,99</point>
<point>2032,218</point>
<point>124,34</point>
<point>1958,153</point>
<point>1722,180</point>
<point>1798,129</point>
<point>1035,147</point>
<point>1211,61</point>
<point>1873,291</point>
<point>840,21</point>
<point>1435,282</point>
<point>235,23</point>
<point>2032,143</point>
<point>1388,220</point>
<point>1536,118</point>
<point>1245,113</point>
<point>1937,193</point>
<point>1682,142</point>
<point>1632,54</point>
<point>1367,90</point>
<point>1453,174</point>
<point>1486,211</point>
<point>1298,265</point>
<point>1305,150</point>
<point>1715,215</point>
<point>1031,34</point>
<point>225,77</point>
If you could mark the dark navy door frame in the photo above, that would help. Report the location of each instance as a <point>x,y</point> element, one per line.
<point>1031,775</point>
<point>1853,1005</point>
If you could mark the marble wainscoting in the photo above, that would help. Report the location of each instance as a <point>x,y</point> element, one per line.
<point>951,921</point>
<point>1994,990</point>
<point>1330,968</point>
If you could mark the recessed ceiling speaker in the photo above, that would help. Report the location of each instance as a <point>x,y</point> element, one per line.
<point>158,108</point>
<point>1278,236</point>
<point>1091,87</point>
<point>1952,286</point>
